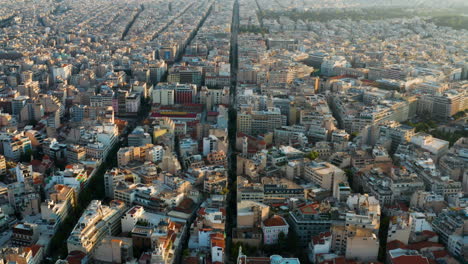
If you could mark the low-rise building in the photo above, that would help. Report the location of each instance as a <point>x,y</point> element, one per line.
<point>273,228</point>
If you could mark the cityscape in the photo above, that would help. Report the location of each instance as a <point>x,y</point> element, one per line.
<point>233,131</point>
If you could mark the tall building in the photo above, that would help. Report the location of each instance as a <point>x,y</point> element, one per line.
<point>113,177</point>
<point>75,153</point>
<point>133,103</point>
<point>444,105</point>
<point>324,174</point>
<point>96,222</point>
<point>18,103</point>
<point>16,146</point>
<point>397,133</point>
<point>259,122</point>
<point>156,72</point>
<point>60,203</point>
<point>139,137</point>
<point>210,144</point>
<point>310,220</point>
<point>451,226</point>
<point>174,93</point>
<point>185,75</point>
<point>356,237</point>
<point>24,234</point>
<point>2,165</point>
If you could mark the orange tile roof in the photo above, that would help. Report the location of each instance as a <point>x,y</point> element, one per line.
<point>310,208</point>
<point>218,243</point>
<point>217,235</point>
<point>217,240</point>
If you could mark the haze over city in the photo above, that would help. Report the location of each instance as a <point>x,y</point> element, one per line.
<point>233,131</point>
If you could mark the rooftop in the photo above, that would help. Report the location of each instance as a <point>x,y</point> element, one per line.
<point>275,221</point>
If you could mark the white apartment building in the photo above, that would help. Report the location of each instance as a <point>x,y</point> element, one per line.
<point>96,222</point>
<point>210,144</point>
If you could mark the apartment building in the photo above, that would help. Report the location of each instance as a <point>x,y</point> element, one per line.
<point>324,174</point>
<point>259,122</point>
<point>272,228</point>
<point>96,222</point>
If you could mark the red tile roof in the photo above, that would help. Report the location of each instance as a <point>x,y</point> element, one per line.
<point>36,163</point>
<point>429,234</point>
<point>394,244</point>
<point>402,206</point>
<point>278,204</point>
<point>425,244</point>
<point>185,206</point>
<point>275,221</point>
<point>318,239</point>
<point>35,249</point>
<point>410,260</point>
<point>440,254</point>
<point>190,260</point>
<point>202,211</point>
<point>341,260</point>
<point>174,115</point>
<point>75,257</point>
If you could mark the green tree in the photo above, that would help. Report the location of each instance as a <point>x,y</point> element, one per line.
<point>459,115</point>
<point>26,156</point>
<point>292,242</point>
<point>224,191</point>
<point>282,242</point>
<point>313,155</point>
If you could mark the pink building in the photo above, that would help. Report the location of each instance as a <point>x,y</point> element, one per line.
<point>272,227</point>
